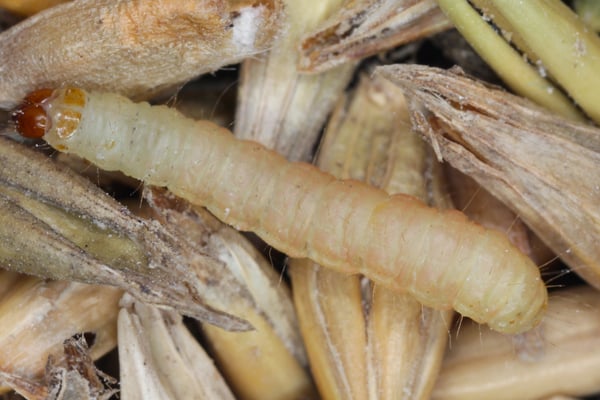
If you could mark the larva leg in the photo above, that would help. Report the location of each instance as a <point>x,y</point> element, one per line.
<point>438,256</point>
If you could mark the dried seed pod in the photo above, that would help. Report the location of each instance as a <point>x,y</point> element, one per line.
<point>277,105</point>
<point>440,257</point>
<point>362,28</point>
<point>535,162</point>
<point>134,47</point>
<point>555,358</point>
<point>160,359</point>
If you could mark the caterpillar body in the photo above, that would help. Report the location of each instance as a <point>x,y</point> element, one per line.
<point>440,257</point>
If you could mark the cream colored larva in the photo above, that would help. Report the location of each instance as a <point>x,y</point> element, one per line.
<point>440,257</point>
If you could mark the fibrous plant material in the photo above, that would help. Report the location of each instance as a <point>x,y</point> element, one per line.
<point>37,316</point>
<point>435,255</point>
<point>557,358</point>
<point>28,7</point>
<point>160,359</point>
<point>268,362</point>
<point>362,28</point>
<point>280,107</point>
<point>535,162</point>
<point>365,341</point>
<point>134,47</point>
<point>516,72</point>
<point>57,225</point>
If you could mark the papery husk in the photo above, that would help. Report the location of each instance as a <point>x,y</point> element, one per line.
<point>37,316</point>
<point>362,28</point>
<point>372,343</point>
<point>160,359</point>
<point>557,358</point>
<point>538,164</point>
<point>268,362</point>
<point>277,105</point>
<point>57,225</point>
<point>134,47</point>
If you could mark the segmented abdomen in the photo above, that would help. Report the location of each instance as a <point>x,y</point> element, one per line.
<point>440,257</point>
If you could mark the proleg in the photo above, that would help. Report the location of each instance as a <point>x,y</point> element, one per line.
<point>440,257</point>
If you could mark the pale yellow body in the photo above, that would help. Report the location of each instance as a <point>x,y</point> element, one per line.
<point>440,257</point>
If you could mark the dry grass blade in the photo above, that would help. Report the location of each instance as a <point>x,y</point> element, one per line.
<point>372,343</point>
<point>134,47</point>
<point>535,162</point>
<point>278,106</point>
<point>160,359</point>
<point>362,28</point>
<point>556,358</point>
<point>38,316</point>
<point>268,362</point>
<point>58,225</point>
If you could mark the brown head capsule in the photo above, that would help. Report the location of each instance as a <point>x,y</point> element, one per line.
<point>30,117</point>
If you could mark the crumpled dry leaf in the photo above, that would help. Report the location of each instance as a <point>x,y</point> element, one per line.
<point>362,28</point>
<point>58,225</point>
<point>133,47</point>
<point>540,165</point>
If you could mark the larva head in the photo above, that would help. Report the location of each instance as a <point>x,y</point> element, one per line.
<point>51,114</point>
<point>30,117</point>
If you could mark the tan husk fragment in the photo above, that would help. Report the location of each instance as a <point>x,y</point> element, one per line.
<point>372,343</point>
<point>134,47</point>
<point>279,107</point>
<point>268,362</point>
<point>37,316</point>
<point>362,28</point>
<point>160,359</point>
<point>56,224</point>
<point>535,162</point>
<point>556,358</point>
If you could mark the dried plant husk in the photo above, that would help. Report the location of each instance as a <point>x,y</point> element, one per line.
<point>535,162</point>
<point>268,362</point>
<point>160,359</point>
<point>28,7</point>
<point>57,225</point>
<point>277,105</point>
<point>134,47</point>
<point>556,358</point>
<point>365,341</point>
<point>37,316</point>
<point>362,28</point>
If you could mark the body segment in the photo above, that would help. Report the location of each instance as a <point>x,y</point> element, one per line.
<point>440,257</point>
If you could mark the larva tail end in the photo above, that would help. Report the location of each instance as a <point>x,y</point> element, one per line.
<point>30,117</point>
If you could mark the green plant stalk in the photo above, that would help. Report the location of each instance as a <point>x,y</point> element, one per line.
<point>519,75</point>
<point>568,49</point>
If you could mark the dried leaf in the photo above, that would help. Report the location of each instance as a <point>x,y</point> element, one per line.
<point>535,162</point>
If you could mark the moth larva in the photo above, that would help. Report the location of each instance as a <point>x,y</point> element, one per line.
<point>440,257</point>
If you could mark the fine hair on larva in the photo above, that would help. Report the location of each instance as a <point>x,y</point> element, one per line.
<point>440,257</point>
